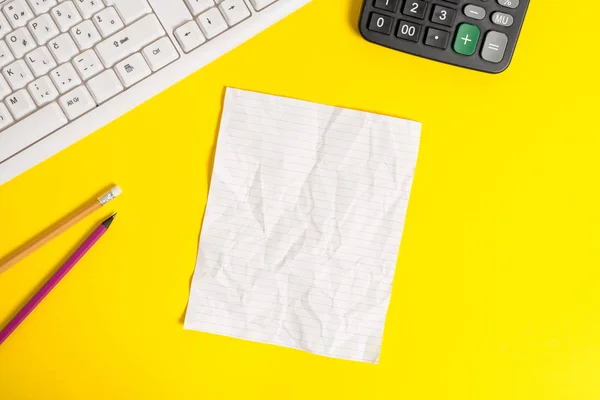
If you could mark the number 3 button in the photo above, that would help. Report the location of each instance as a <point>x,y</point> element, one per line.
<point>443,16</point>
<point>415,8</point>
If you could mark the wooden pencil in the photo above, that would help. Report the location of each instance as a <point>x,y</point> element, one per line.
<point>56,278</point>
<point>56,230</point>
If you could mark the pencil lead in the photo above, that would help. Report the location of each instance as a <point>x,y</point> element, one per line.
<point>109,221</point>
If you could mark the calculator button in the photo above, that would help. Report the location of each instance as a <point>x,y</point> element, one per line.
<point>409,31</point>
<point>474,12</point>
<point>381,23</point>
<point>502,19</point>
<point>415,8</point>
<point>388,5</point>
<point>466,39</point>
<point>509,3</point>
<point>443,15</point>
<point>453,1</point>
<point>494,46</point>
<point>437,38</point>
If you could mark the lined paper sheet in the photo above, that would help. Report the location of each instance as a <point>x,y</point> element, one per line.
<point>303,225</point>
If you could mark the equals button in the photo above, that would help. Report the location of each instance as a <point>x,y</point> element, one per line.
<point>494,47</point>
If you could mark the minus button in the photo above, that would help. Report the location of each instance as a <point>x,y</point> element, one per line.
<point>475,12</point>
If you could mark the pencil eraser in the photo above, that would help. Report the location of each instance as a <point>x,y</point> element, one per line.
<point>116,191</point>
<point>110,196</point>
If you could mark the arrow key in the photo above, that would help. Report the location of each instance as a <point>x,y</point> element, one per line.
<point>189,36</point>
<point>212,23</point>
<point>234,11</point>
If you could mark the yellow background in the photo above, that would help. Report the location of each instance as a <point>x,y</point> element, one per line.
<point>496,291</point>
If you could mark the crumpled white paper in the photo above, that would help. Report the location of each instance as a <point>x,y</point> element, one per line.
<point>303,225</point>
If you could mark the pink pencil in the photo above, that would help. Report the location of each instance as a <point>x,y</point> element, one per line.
<point>56,278</point>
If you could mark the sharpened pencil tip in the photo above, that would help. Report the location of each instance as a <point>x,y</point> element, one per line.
<point>109,221</point>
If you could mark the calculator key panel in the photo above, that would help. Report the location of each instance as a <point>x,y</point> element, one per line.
<point>476,34</point>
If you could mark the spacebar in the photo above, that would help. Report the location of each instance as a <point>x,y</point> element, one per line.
<point>28,131</point>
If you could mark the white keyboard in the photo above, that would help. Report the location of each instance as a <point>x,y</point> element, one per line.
<point>68,67</point>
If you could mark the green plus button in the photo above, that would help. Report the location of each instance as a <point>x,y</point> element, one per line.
<point>466,39</point>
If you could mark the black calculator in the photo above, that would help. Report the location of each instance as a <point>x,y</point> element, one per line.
<point>477,34</point>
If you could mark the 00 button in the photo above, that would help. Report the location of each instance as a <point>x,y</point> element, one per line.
<point>409,31</point>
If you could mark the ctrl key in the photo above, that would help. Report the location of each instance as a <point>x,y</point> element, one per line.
<point>381,23</point>
<point>160,53</point>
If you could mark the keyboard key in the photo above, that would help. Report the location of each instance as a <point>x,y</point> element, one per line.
<point>388,5</point>
<point>5,118</point>
<point>409,31</point>
<point>509,3</point>
<point>63,48</point>
<point>41,6</point>
<point>65,78</point>
<point>42,91</point>
<point>132,70</point>
<point>43,28</point>
<point>160,53</point>
<point>66,16</point>
<point>20,42</point>
<point>108,21</point>
<point>443,15</point>
<point>437,38</point>
<point>199,6</point>
<point>40,61</point>
<point>86,35</point>
<point>18,13</point>
<point>17,74</point>
<point>415,8</point>
<point>494,46</point>
<point>475,12</point>
<point>131,39</point>
<point>189,36</point>
<point>502,19</point>
<point>5,89</point>
<point>77,102</point>
<point>105,86</point>
<point>20,104</point>
<point>261,4</point>
<point>87,8</point>
<point>130,10</point>
<point>4,26</point>
<point>234,11</point>
<point>31,129</point>
<point>212,23</point>
<point>87,64</point>
<point>381,23</point>
<point>6,56</point>
<point>466,40</point>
